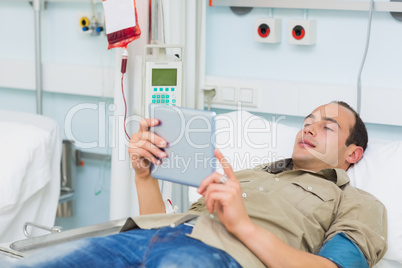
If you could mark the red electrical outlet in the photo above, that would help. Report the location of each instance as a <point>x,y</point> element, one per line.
<point>302,32</point>
<point>268,30</point>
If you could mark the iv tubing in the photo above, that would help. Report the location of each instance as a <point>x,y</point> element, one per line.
<point>124,57</point>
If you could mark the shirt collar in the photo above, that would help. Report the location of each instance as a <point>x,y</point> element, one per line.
<point>279,166</point>
<point>338,176</point>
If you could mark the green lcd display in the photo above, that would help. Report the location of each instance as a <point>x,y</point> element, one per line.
<point>164,77</point>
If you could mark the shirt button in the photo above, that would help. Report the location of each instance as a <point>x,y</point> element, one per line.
<point>261,189</point>
<point>244,195</point>
<point>276,179</point>
<point>309,188</point>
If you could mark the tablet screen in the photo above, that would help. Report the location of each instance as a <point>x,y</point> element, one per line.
<point>190,137</point>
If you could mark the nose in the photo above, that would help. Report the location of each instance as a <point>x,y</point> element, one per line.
<point>310,130</point>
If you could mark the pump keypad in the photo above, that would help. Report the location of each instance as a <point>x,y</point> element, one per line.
<point>164,95</point>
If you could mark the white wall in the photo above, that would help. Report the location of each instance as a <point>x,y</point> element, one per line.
<point>294,79</point>
<point>73,62</point>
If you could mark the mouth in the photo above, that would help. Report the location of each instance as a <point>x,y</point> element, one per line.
<point>306,143</point>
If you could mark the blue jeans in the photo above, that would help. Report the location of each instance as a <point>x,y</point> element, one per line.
<point>165,247</point>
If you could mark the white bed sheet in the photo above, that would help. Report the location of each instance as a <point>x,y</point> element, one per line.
<point>30,152</point>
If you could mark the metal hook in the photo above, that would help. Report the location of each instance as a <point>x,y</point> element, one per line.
<point>54,229</point>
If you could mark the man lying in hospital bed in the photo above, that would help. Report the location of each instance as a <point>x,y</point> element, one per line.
<point>296,212</point>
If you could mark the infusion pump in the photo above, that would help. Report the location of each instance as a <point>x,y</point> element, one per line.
<point>162,75</point>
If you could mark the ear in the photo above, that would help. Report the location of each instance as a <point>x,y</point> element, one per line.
<point>354,154</point>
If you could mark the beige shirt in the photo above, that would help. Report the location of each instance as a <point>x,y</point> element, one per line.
<point>304,209</point>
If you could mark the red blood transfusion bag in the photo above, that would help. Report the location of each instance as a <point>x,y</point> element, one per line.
<point>121,22</point>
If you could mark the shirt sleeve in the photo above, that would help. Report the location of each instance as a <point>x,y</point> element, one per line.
<point>343,252</point>
<point>362,218</point>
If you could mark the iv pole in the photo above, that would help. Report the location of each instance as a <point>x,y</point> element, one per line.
<point>38,58</point>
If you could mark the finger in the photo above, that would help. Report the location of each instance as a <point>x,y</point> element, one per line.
<point>140,138</point>
<point>227,168</point>
<point>215,199</point>
<point>147,148</point>
<point>146,123</point>
<point>209,202</point>
<point>207,181</point>
<point>215,187</point>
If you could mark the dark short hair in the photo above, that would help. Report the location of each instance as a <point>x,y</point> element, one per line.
<point>358,133</point>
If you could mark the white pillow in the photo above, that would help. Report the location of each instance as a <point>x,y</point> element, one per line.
<point>247,140</point>
<point>378,173</point>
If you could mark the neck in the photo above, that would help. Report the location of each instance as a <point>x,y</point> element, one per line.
<point>311,166</point>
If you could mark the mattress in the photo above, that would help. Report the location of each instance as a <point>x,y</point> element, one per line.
<point>30,152</point>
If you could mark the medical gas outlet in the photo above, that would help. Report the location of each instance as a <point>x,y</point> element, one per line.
<point>267,30</point>
<point>302,32</point>
<point>91,26</point>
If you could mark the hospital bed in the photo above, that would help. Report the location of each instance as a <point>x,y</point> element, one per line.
<point>30,152</point>
<point>247,140</point>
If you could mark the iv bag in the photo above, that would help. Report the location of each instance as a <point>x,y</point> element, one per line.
<point>121,22</point>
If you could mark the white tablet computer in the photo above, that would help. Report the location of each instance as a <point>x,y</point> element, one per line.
<point>190,137</point>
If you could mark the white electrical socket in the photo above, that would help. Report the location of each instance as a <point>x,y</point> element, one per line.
<point>232,94</point>
<point>302,32</point>
<point>247,95</point>
<point>268,30</point>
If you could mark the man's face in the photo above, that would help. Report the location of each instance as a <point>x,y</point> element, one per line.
<point>321,142</point>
